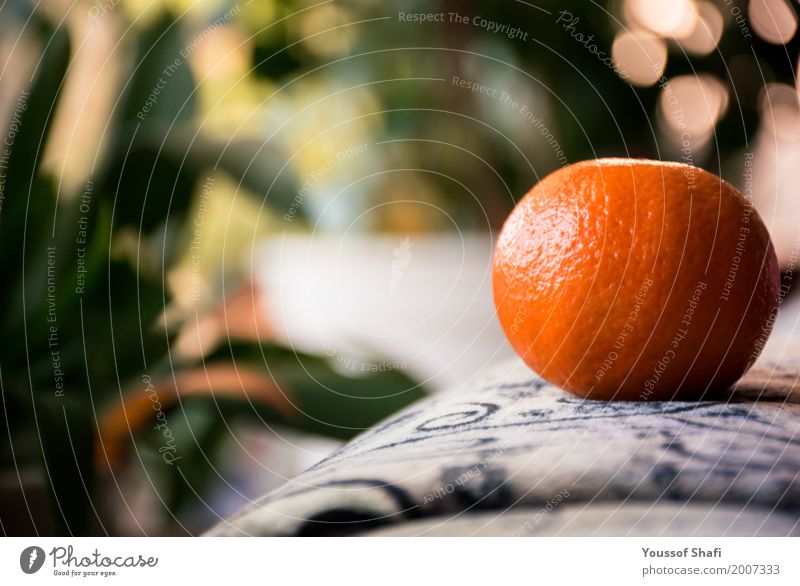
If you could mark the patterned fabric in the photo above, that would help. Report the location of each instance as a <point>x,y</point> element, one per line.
<point>513,455</point>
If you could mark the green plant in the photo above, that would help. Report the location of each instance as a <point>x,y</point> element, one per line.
<point>84,297</point>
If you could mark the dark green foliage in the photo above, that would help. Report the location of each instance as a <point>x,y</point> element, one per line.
<point>80,305</point>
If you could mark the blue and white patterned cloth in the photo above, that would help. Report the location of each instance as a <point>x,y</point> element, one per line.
<point>513,455</point>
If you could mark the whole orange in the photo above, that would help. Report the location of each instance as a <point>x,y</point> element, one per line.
<point>636,280</point>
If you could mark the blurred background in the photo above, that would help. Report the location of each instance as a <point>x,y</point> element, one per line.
<point>236,234</point>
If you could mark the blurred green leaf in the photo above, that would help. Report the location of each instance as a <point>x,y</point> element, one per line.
<point>323,400</point>
<point>123,338</point>
<point>157,99</point>
<point>256,166</point>
<point>29,201</point>
<point>66,430</point>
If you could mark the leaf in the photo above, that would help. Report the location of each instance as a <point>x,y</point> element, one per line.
<point>29,201</point>
<point>323,400</point>
<point>296,390</point>
<point>151,190</point>
<point>66,431</point>
<point>256,166</point>
<point>51,265</point>
<point>271,57</point>
<point>26,292</point>
<point>201,403</point>
<point>35,110</point>
<point>136,410</point>
<point>158,98</point>
<point>123,337</point>
<point>197,438</point>
<point>160,90</point>
<point>105,323</point>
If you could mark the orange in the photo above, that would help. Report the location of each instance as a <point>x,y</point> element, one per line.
<point>636,280</point>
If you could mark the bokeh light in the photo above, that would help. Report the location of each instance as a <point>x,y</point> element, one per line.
<point>691,106</point>
<point>775,21</point>
<point>707,31</point>
<point>642,56</point>
<point>668,18</point>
